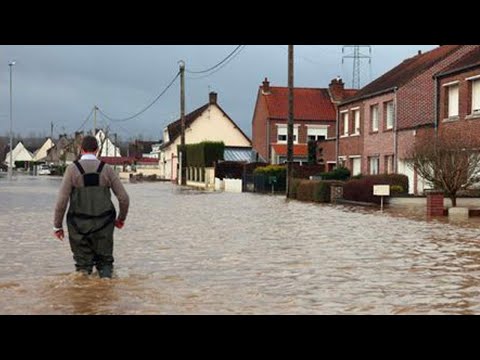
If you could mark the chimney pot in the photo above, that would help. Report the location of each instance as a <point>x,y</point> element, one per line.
<point>266,86</point>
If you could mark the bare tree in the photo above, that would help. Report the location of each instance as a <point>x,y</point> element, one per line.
<point>450,161</point>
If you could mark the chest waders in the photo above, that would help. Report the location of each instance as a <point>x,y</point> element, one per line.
<point>90,220</point>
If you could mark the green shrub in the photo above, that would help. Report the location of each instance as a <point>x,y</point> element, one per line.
<point>340,173</point>
<point>396,189</point>
<point>314,191</point>
<point>203,154</point>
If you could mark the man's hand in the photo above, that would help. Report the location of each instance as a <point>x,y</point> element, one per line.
<point>119,224</point>
<point>59,234</point>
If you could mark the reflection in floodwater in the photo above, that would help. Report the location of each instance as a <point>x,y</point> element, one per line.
<point>188,252</point>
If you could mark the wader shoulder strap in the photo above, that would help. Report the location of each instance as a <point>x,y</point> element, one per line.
<point>79,167</point>
<point>100,167</point>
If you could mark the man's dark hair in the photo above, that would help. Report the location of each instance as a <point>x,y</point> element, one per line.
<point>89,144</point>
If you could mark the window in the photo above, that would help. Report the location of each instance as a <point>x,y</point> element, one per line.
<point>316,137</point>
<point>345,124</point>
<point>453,101</point>
<point>356,164</point>
<point>317,134</point>
<point>374,117</point>
<point>356,117</point>
<point>389,169</point>
<point>282,135</point>
<point>476,97</point>
<point>390,115</point>
<point>374,165</point>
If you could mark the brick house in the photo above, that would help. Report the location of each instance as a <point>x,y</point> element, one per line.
<point>458,87</point>
<point>378,125</point>
<point>314,119</point>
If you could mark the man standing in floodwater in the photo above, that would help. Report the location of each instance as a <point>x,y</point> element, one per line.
<point>91,217</point>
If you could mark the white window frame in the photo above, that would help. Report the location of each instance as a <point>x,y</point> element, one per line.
<point>283,130</point>
<point>374,109</point>
<point>475,109</point>
<point>390,115</point>
<point>346,123</point>
<point>353,158</point>
<point>451,100</point>
<point>389,161</point>
<point>356,121</point>
<point>317,131</point>
<point>370,163</point>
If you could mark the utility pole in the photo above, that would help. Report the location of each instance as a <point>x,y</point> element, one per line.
<point>115,152</point>
<point>10,165</point>
<point>51,130</point>
<point>182,116</point>
<point>290,120</point>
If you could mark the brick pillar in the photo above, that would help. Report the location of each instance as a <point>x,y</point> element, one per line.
<point>435,203</point>
<point>336,192</point>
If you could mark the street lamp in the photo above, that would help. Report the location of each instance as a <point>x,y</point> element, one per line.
<point>10,165</point>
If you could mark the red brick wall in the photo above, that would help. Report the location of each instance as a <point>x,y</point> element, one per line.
<point>406,139</point>
<point>466,123</point>
<point>328,149</point>
<point>435,204</point>
<point>351,145</point>
<point>259,129</point>
<point>379,143</point>
<point>416,99</point>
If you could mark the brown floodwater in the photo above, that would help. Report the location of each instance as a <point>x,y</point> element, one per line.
<point>190,252</point>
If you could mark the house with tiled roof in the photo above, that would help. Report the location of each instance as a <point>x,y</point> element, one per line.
<point>207,123</point>
<point>378,126</point>
<point>315,117</point>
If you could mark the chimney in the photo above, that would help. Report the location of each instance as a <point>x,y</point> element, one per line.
<point>336,88</point>
<point>212,98</point>
<point>266,87</point>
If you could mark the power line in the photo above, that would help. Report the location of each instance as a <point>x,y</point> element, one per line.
<point>88,118</point>
<point>220,68</point>
<point>302,57</point>
<point>146,108</point>
<point>217,65</point>
<point>117,125</point>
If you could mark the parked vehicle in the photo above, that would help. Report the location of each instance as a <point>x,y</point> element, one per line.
<point>44,170</point>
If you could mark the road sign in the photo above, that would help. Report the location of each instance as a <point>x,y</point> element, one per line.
<point>381,190</point>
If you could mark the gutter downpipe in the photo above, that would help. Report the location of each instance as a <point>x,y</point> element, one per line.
<point>337,140</point>
<point>395,133</point>
<point>268,141</point>
<point>436,107</point>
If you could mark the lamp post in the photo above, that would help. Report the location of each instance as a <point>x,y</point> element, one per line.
<point>10,165</point>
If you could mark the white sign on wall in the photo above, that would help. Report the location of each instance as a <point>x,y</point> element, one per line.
<point>381,190</point>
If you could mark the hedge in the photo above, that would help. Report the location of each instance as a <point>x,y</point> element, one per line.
<point>203,154</point>
<point>311,190</point>
<point>340,173</point>
<point>362,189</point>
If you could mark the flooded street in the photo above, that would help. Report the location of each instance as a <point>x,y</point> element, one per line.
<point>188,252</point>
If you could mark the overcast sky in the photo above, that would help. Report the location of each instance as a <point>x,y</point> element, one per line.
<point>62,83</point>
